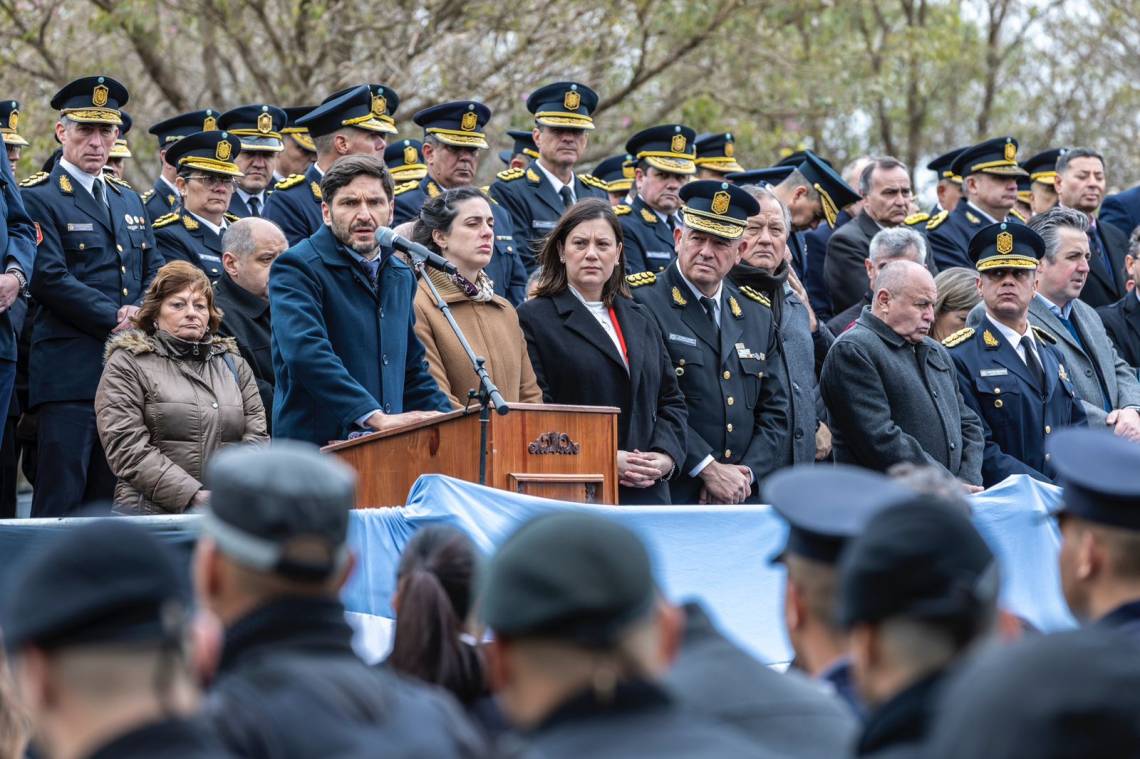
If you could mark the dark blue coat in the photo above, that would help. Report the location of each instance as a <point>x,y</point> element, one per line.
<point>181,237</point>
<point>505,269</point>
<point>648,241</point>
<point>17,246</point>
<point>84,272</point>
<point>815,244</point>
<point>340,348</point>
<point>1125,619</point>
<point>948,236</point>
<point>1121,210</point>
<point>160,200</point>
<point>1017,414</point>
<point>295,205</point>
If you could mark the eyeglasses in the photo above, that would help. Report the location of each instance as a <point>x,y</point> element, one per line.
<point>213,180</point>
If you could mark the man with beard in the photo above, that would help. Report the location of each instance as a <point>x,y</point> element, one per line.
<point>664,162</point>
<point>345,353</point>
<point>259,129</point>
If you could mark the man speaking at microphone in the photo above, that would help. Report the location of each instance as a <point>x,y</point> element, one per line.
<point>345,353</point>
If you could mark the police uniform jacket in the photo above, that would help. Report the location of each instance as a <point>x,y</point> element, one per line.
<point>948,235</point>
<point>290,685</point>
<point>17,246</point>
<point>576,362</point>
<point>246,319</point>
<point>900,727</point>
<point>890,401</point>
<point>505,268</point>
<point>239,209</point>
<point>160,200</point>
<point>738,405</point>
<point>1122,323</point>
<point>648,241</point>
<point>295,205</point>
<point>181,237</point>
<point>1125,619</point>
<point>341,347</point>
<point>1017,413</point>
<point>815,253</point>
<point>535,206</point>
<point>90,263</point>
<point>1121,210</point>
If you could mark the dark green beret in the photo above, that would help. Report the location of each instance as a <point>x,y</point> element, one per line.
<point>575,577</point>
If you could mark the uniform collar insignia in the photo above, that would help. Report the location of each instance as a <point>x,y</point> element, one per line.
<point>433,190</point>
<point>972,219</point>
<point>734,307</point>
<point>170,200</point>
<point>65,184</point>
<point>533,176</point>
<point>648,215</point>
<point>190,222</point>
<point>678,299</point>
<point>989,339</point>
<point>316,188</point>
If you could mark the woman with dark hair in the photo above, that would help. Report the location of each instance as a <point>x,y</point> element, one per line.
<point>459,226</point>
<point>591,344</point>
<point>433,601</point>
<point>172,394</point>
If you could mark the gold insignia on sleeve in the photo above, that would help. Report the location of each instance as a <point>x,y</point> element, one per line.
<point>677,298</point>
<point>65,184</point>
<point>99,96</point>
<point>1004,243</point>
<point>720,203</point>
<point>733,306</point>
<point>989,339</point>
<point>572,100</point>
<point>316,188</point>
<point>958,337</point>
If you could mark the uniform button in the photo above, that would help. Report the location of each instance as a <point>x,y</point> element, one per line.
<point>680,371</point>
<point>998,403</point>
<point>953,446</point>
<point>1088,372</point>
<point>214,270</point>
<point>997,391</point>
<point>1048,430</point>
<point>681,362</point>
<point>123,269</point>
<point>126,292</point>
<point>119,247</point>
<point>799,434</point>
<point>728,453</point>
<point>510,249</point>
<point>729,428</point>
<point>82,245</point>
<point>730,400</point>
<point>727,375</point>
<point>381,312</point>
<point>214,404</point>
<point>384,359</point>
<point>1048,456</point>
<point>387,408</point>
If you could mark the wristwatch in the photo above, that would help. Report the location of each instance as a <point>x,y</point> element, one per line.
<point>19,275</point>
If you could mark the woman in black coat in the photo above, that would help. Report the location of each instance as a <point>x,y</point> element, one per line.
<point>591,345</point>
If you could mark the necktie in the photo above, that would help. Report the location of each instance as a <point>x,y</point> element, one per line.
<point>710,309</point>
<point>254,205</point>
<point>1033,364</point>
<point>567,196</point>
<point>100,196</point>
<point>1098,252</point>
<point>372,268</point>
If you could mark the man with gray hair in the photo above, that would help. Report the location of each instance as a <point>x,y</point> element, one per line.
<point>249,248</point>
<point>891,244</point>
<point>1106,385</point>
<point>885,186</point>
<point>1080,182</point>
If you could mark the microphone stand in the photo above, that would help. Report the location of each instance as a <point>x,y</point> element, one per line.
<point>487,393</point>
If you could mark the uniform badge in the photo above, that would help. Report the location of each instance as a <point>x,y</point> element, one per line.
<point>729,149</point>
<point>1061,373</point>
<point>720,203</point>
<point>1004,243</point>
<point>379,105</point>
<point>678,143</point>
<point>39,233</point>
<point>678,299</point>
<point>190,223</point>
<point>1010,151</point>
<point>99,96</point>
<point>65,184</point>
<point>972,219</point>
<point>572,100</point>
<point>734,307</point>
<point>628,172</point>
<point>648,215</point>
<point>316,188</point>
<point>170,200</point>
<point>13,120</point>
<point>223,151</point>
<point>209,123</point>
<point>411,155</point>
<point>468,122</point>
<point>264,123</point>
<point>433,190</point>
<point>989,339</point>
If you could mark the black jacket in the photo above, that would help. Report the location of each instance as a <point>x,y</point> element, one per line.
<point>246,319</point>
<point>575,362</point>
<point>1105,285</point>
<point>898,729</point>
<point>1122,323</point>
<point>170,739</point>
<point>290,685</point>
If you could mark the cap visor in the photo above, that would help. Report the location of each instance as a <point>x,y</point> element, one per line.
<point>672,165</point>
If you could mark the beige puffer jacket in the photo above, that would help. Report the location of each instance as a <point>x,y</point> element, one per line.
<point>163,407</point>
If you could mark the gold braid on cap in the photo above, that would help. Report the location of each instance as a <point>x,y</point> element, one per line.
<point>829,208</point>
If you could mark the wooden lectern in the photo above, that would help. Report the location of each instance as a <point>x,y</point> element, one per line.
<point>564,452</point>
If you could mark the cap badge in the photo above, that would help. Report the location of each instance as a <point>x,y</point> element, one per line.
<point>13,120</point>
<point>720,203</point>
<point>729,149</point>
<point>379,105</point>
<point>411,155</point>
<point>264,123</point>
<point>223,151</point>
<point>628,171</point>
<point>209,124</point>
<point>1010,151</point>
<point>1004,243</point>
<point>469,121</point>
<point>678,143</point>
<point>100,95</point>
<point>571,100</point>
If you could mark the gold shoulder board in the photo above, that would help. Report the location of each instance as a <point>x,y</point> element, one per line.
<point>591,181</point>
<point>405,187</point>
<point>290,181</point>
<point>38,178</point>
<point>641,278</point>
<point>937,219</point>
<point>510,175</point>
<point>164,221</point>
<point>755,295</point>
<point>958,337</point>
<point>231,217</point>
<point>916,218</point>
<point>622,210</point>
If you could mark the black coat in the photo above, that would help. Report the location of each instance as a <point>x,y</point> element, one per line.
<point>169,738</point>
<point>575,362</point>
<point>1105,284</point>
<point>246,319</point>
<point>844,270</point>
<point>1122,323</point>
<point>899,728</point>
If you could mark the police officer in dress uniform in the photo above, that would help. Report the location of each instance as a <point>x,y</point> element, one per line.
<point>522,152</point>
<point>1099,516</point>
<point>93,265</point>
<point>206,173</point>
<point>405,161</point>
<point>989,172</point>
<point>120,151</point>
<point>1042,169</point>
<point>1009,373</point>
<point>99,622</point>
<point>259,129</point>
<point>299,151</point>
<point>453,137</point>
<point>949,187</point>
<point>814,192</point>
<point>664,162</point>
<point>537,196</point>
<point>163,197</point>
<point>617,172</point>
<point>722,343</point>
<point>716,155</point>
<point>825,508</point>
<point>9,126</point>
<point>769,177</point>
<point>355,122</point>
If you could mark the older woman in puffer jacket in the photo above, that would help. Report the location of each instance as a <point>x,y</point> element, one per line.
<point>172,394</point>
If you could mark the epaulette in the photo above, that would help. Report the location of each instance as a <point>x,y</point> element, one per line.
<point>532,176</point>
<point>958,337</point>
<point>116,180</point>
<point>591,181</point>
<point>406,186</point>
<point>756,295</point>
<point>1017,215</point>
<point>641,278</point>
<point>916,218</point>
<point>1043,335</point>
<point>649,216</point>
<point>290,181</point>
<point>623,209</point>
<point>510,175</point>
<point>165,221</point>
<point>146,196</point>
<point>231,217</point>
<point>937,219</point>
<point>38,178</point>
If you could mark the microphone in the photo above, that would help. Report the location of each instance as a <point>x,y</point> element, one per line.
<point>419,253</point>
